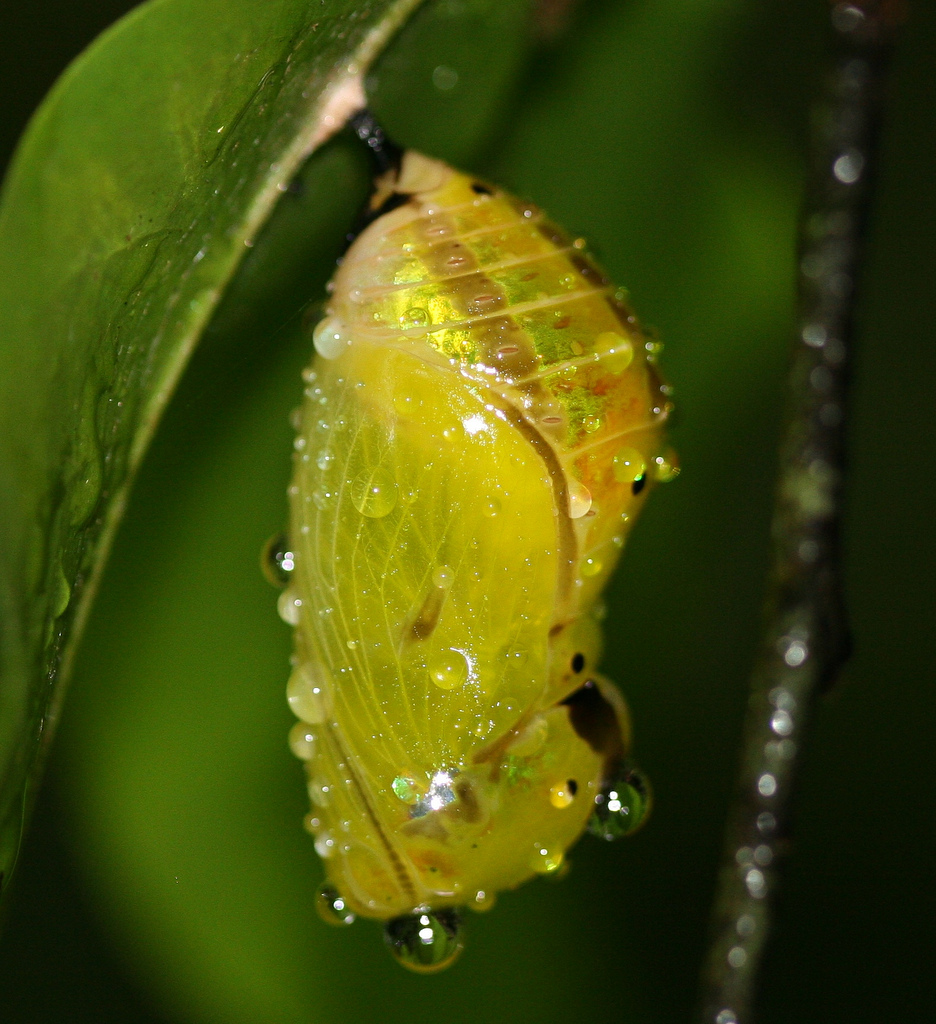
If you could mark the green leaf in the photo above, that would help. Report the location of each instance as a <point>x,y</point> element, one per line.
<point>141,183</point>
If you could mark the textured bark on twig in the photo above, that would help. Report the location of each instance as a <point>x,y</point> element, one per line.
<point>805,639</point>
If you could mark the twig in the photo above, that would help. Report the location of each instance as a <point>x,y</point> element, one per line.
<point>805,641</point>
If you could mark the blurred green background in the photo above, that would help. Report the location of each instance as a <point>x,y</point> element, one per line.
<point>166,876</point>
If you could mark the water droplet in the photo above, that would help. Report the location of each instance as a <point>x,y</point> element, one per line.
<point>444,78</point>
<point>591,566</point>
<point>288,605</point>
<point>628,465</point>
<point>491,507</point>
<point>666,466</point>
<point>332,908</point>
<point>443,576</point>
<point>309,375</point>
<point>415,316</point>
<point>591,423</point>
<point>330,338</point>
<point>483,728</point>
<point>425,941</point>
<point>622,805</point>
<point>781,722</point>
<point>531,738</point>
<point>405,788</point>
<point>795,652</point>
<point>615,352</point>
<point>277,560</point>
<point>767,784</point>
<point>302,741</point>
<point>405,404</point>
<point>580,499</point>
<point>562,794</point>
<point>319,792</point>
<point>374,493</point>
<point>305,693</point>
<point>849,166</point>
<point>482,900</point>
<point>324,459</point>
<point>324,845</point>
<point>321,498</point>
<point>434,230</point>
<point>448,669</point>
<point>61,594</point>
<point>546,859</point>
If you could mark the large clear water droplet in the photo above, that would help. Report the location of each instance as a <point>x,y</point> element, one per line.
<point>580,499</point>
<point>546,858</point>
<point>325,845</point>
<point>628,465</point>
<point>622,806</point>
<point>277,560</point>
<point>425,941</point>
<point>374,493</point>
<point>448,669</point>
<point>666,466</point>
<point>414,317</point>
<point>302,741</point>
<point>562,794</point>
<point>406,788</point>
<point>306,695</point>
<point>443,576</point>
<point>591,566</point>
<point>330,338</point>
<point>614,350</point>
<point>332,908</point>
<point>289,606</point>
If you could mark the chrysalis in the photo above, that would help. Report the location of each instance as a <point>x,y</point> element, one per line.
<point>480,427</point>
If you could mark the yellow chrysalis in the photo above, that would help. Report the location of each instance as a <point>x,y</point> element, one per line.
<point>476,437</point>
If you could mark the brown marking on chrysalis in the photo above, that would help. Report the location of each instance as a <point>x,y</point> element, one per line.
<point>399,868</point>
<point>450,258</point>
<point>427,618</point>
<point>554,234</point>
<point>595,720</point>
<point>624,314</point>
<point>505,347</point>
<point>466,808</point>
<point>589,271</point>
<point>568,543</point>
<point>494,751</point>
<point>429,825</point>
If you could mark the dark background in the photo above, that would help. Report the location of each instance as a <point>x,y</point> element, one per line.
<point>165,877</point>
